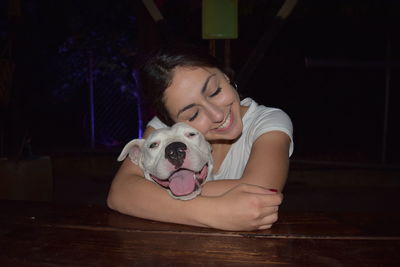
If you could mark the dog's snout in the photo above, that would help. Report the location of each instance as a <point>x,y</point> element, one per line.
<point>176,153</point>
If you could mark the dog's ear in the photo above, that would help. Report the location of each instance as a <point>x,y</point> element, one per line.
<point>133,149</point>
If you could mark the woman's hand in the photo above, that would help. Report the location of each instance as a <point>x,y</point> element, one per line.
<point>246,207</point>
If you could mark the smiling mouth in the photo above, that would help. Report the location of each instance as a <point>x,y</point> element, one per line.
<point>183,181</point>
<point>227,123</point>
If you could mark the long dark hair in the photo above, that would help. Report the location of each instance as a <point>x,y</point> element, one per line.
<point>157,72</point>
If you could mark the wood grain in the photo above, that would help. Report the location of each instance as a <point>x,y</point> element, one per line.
<point>45,234</point>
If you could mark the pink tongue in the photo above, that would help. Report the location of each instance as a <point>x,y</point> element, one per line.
<point>182,183</point>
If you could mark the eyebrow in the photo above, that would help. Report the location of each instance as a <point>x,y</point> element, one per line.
<point>203,89</point>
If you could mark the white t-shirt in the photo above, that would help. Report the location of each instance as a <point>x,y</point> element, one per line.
<point>256,121</point>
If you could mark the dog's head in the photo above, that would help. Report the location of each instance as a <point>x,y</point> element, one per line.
<point>177,158</point>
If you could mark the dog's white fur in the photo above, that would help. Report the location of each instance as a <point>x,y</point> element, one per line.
<point>149,155</point>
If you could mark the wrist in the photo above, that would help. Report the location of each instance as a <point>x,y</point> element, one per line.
<point>219,187</point>
<point>201,211</point>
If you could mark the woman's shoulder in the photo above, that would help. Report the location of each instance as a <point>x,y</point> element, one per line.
<point>260,119</point>
<point>257,113</point>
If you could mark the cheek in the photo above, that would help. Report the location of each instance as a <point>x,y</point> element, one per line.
<point>235,94</point>
<point>229,95</point>
<point>199,124</point>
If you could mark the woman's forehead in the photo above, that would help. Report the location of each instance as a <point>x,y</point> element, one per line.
<point>191,79</point>
<point>187,85</point>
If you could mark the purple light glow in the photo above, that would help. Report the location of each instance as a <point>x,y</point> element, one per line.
<point>138,99</point>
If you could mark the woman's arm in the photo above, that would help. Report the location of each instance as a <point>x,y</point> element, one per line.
<point>267,166</point>
<point>244,207</point>
<point>132,194</point>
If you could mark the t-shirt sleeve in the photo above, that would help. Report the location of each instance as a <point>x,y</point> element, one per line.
<point>272,119</point>
<point>156,123</point>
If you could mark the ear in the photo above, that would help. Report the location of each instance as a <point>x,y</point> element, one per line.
<point>133,149</point>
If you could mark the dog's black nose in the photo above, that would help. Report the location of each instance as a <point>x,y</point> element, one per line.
<point>176,153</point>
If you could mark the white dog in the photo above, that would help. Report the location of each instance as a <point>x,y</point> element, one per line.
<point>177,158</point>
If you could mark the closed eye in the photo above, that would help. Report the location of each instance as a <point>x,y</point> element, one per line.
<point>194,116</point>
<point>216,92</point>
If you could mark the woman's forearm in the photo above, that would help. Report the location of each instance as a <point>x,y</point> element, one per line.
<point>136,196</point>
<point>219,187</point>
<point>244,207</point>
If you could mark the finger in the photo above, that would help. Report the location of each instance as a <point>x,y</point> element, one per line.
<point>270,200</point>
<point>266,211</point>
<point>269,218</point>
<point>265,227</point>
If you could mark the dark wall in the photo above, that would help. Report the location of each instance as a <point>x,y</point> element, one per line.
<point>324,66</point>
<point>326,69</point>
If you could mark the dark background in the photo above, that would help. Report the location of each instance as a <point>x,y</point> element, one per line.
<point>329,65</point>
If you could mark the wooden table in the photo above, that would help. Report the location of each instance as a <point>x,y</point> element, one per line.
<point>45,234</point>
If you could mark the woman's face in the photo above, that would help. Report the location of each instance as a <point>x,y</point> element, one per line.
<point>204,99</point>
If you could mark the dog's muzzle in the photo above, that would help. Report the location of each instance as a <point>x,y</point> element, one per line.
<point>183,182</point>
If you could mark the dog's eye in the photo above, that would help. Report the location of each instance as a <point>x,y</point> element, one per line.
<point>153,145</point>
<point>191,134</point>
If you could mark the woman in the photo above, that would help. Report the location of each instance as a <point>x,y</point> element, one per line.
<point>251,147</point>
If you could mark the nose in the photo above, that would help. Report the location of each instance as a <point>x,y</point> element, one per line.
<point>175,153</point>
<point>215,113</point>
